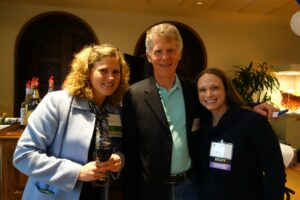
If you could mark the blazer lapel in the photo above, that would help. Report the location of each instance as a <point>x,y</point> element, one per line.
<point>188,105</point>
<point>153,100</point>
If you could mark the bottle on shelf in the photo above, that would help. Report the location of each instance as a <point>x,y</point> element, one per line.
<point>24,105</point>
<point>2,119</point>
<point>51,84</point>
<point>35,99</point>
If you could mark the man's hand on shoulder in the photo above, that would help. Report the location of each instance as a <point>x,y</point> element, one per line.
<point>265,109</point>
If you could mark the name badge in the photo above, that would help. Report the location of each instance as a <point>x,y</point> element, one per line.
<point>221,155</point>
<point>114,125</point>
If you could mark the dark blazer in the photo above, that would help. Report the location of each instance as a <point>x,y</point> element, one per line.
<point>147,139</point>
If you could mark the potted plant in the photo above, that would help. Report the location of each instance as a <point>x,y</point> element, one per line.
<point>255,82</point>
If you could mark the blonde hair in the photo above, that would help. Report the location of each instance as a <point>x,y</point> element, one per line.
<point>165,30</point>
<point>77,81</point>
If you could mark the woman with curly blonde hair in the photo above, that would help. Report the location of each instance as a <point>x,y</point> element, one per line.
<point>60,147</point>
<point>77,82</point>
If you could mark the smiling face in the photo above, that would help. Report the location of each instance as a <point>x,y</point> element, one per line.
<point>164,57</point>
<point>211,93</point>
<point>105,78</point>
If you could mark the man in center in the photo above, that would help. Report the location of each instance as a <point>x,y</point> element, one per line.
<point>159,114</point>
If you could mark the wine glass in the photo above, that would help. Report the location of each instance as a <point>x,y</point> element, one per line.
<point>103,153</point>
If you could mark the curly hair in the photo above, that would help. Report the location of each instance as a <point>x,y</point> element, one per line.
<point>77,81</point>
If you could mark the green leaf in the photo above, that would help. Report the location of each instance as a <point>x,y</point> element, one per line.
<point>252,80</point>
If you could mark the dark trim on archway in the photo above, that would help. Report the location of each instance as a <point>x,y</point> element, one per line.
<point>19,88</point>
<point>200,57</point>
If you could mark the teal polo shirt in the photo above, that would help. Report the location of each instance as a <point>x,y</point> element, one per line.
<point>173,104</point>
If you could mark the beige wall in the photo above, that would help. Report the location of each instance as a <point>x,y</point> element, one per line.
<point>229,40</point>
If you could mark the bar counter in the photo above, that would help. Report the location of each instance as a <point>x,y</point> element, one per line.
<point>12,182</point>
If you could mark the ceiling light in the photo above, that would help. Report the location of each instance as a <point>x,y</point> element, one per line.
<point>292,69</point>
<point>199,3</point>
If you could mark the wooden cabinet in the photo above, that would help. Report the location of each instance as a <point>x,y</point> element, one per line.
<point>12,182</point>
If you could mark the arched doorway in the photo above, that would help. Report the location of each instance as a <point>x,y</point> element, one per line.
<point>45,47</point>
<point>194,58</point>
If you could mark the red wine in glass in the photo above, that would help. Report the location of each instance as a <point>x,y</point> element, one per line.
<point>103,154</point>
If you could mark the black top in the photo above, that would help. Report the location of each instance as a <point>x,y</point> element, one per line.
<point>257,169</point>
<point>88,191</point>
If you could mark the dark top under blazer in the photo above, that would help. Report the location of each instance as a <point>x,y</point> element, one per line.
<point>255,151</point>
<point>147,139</point>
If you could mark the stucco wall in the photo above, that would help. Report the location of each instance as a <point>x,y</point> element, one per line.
<point>229,39</point>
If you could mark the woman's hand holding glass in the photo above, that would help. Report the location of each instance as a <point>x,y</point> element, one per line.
<point>113,164</point>
<point>97,170</point>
